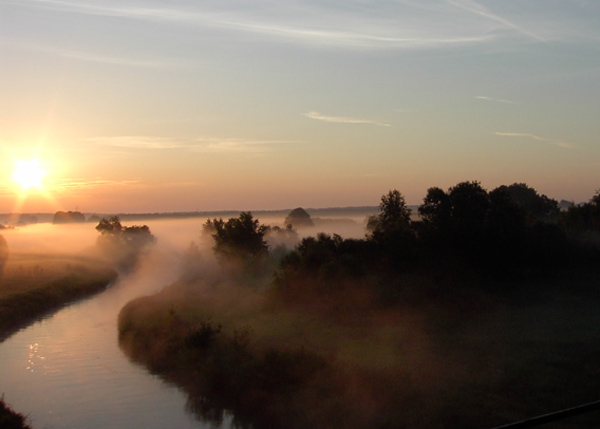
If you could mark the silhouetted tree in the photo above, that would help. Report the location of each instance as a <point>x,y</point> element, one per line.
<point>456,217</point>
<point>326,263</point>
<point>239,239</point>
<point>536,207</point>
<point>394,214</point>
<point>298,218</point>
<point>470,204</point>
<point>123,244</point>
<point>392,232</point>
<point>68,217</point>
<point>110,226</point>
<point>94,218</point>
<point>436,210</point>
<point>584,217</point>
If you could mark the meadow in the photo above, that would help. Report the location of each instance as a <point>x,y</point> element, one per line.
<point>35,285</point>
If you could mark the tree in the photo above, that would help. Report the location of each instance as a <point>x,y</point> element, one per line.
<point>584,217</point>
<point>68,217</point>
<point>535,206</point>
<point>436,210</point>
<point>298,218</point>
<point>394,214</point>
<point>123,244</point>
<point>470,204</point>
<point>391,231</point>
<point>239,240</point>
<point>109,226</point>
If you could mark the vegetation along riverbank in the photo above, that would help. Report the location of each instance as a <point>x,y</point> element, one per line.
<point>32,286</point>
<point>480,312</point>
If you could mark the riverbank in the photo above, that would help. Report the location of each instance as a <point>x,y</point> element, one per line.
<point>10,419</point>
<point>431,364</point>
<point>33,286</point>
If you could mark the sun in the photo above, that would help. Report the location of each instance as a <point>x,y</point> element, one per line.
<point>29,174</point>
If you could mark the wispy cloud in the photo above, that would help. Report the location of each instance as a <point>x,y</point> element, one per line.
<point>197,145</point>
<point>495,100</point>
<point>343,120</point>
<point>475,8</point>
<point>403,24</point>
<point>394,25</point>
<point>559,143</point>
<point>78,183</point>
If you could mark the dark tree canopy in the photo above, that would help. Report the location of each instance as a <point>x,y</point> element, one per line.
<point>111,225</point>
<point>239,239</point>
<point>460,212</point>
<point>68,217</point>
<point>584,217</point>
<point>436,209</point>
<point>394,214</point>
<point>123,244</point>
<point>298,218</point>
<point>470,203</point>
<point>536,207</point>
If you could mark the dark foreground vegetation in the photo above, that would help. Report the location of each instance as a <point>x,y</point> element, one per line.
<point>481,313</point>
<point>10,419</point>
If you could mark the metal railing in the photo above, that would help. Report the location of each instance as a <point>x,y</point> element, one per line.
<point>552,417</point>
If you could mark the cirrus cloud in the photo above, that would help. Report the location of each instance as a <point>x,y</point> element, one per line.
<point>343,120</point>
<point>559,143</point>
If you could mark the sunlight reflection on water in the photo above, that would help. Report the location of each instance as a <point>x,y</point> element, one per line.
<point>67,370</point>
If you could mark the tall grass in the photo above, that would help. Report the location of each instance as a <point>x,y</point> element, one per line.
<point>41,296</point>
<point>10,419</point>
<point>436,364</point>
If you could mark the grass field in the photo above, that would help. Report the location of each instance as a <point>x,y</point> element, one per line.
<point>435,365</point>
<point>33,285</point>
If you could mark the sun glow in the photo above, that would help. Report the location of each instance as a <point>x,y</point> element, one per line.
<point>29,174</point>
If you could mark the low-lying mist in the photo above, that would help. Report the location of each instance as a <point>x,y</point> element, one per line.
<point>348,329</point>
<point>335,336</point>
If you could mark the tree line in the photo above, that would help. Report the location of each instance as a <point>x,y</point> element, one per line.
<point>511,232</point>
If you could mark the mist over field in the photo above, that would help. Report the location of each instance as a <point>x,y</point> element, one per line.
<point>452,316</point>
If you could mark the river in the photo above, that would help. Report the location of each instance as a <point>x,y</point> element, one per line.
<point>67,371</point>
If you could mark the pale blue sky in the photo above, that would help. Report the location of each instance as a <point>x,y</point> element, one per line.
<point>174,105</point>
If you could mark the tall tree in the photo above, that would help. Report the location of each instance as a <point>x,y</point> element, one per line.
<point>394,214</point>
<point>239,239</point>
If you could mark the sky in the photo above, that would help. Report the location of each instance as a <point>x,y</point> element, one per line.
<point>153,106</point>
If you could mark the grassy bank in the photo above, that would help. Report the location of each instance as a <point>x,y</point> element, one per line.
<point>352,363</point>
<point>33,286</point>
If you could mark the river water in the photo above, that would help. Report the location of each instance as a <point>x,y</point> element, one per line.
<point>67,371</point>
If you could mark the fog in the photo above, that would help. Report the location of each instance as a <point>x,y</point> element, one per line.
<point>408,361</point>
<point>174,237</point>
